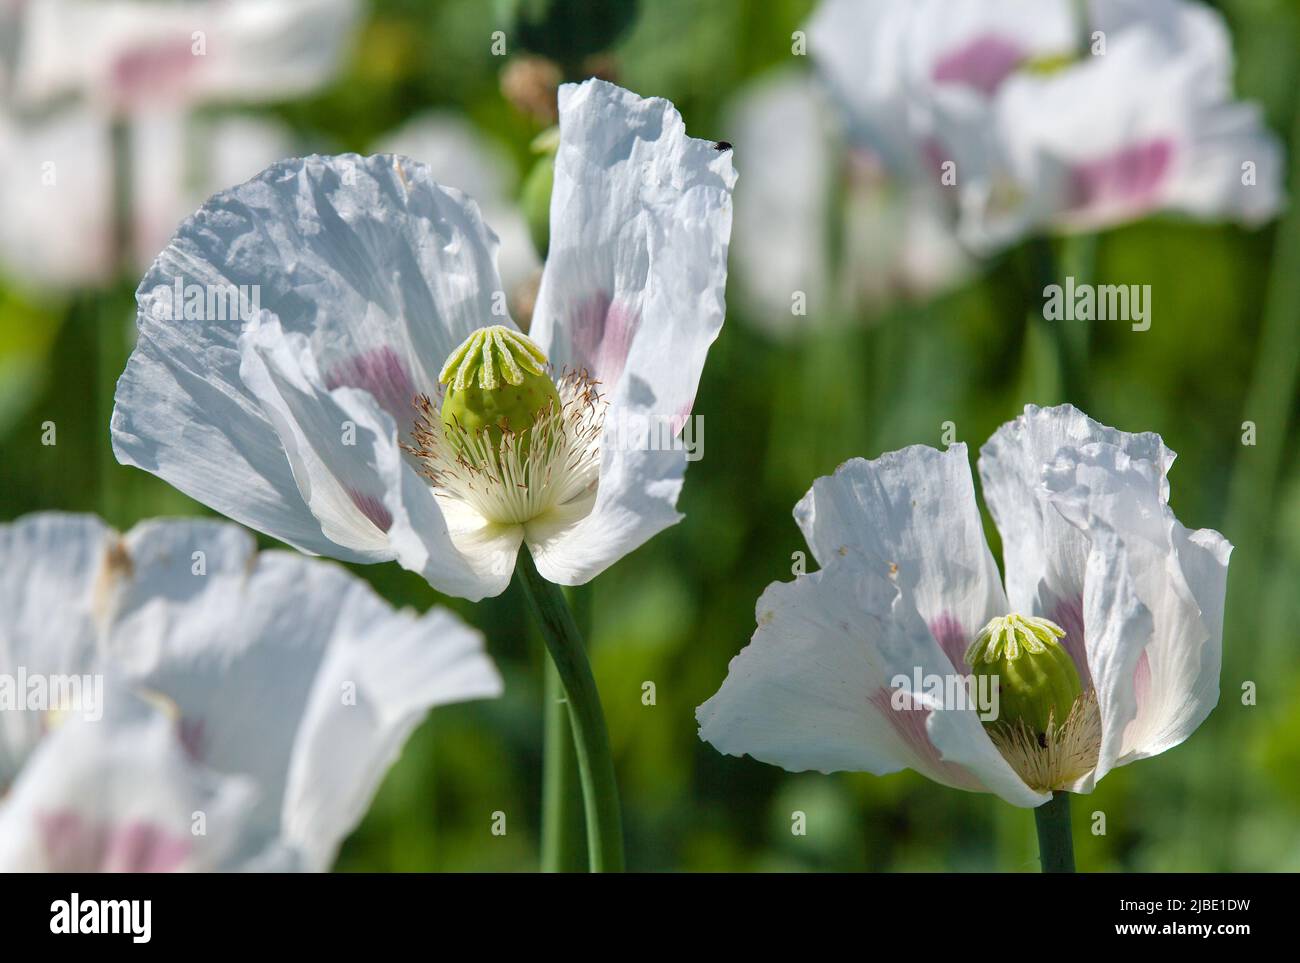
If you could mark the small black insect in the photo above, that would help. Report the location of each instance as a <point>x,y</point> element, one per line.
<point>721,146</point>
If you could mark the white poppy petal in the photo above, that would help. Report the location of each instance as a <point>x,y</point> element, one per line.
<point>636,499</point>
<point>640,220</point>
<point>287,670</point>
<point>1167,674</point>
<point>120,795</point>
<point>895,65</point>
<point>1162,135</point>
<point>457,153</point>
<point>345,453</point>
<point>913,514</point>
<point>815,688</point>
<point>1044,555</point>
<point>56,591</point>
<point>379,268</point>
<point>180,159</point>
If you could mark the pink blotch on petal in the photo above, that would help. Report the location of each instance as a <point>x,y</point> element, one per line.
<point>952,638</point>
<point>1142,680</point>
<point>192,738</point>
<point>73,844</point>
<point>981,64</point>
<point>381,372</point>
<point>1068,614</point>
<point>601,332</point>
<point>909,722</point>
<point>1131,177</point>
<point>373,508</point>
<point>153,71</point>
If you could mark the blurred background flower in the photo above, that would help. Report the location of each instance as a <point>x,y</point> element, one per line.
<point>902,341</point>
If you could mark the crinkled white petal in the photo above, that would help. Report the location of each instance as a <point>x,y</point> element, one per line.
<point>912,514</point>
<point>640,220</point>
<point>378,268</point>
<point>632,293</point>
<point>131,52</point>
<point>1166,676</point>
<point>180,159</point>
<point>458,154</point>
<point>813,688</point>
<point>1044,555</point>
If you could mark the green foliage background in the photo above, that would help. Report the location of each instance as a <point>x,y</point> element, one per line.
<point>777,416</point>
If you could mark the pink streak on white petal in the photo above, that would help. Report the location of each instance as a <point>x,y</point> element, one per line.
<point>73,844</point>
<point>1068,614</point>
<point>154,72</point>
<point>982,64</point>
<point>602,332</point>
<point>373,508</point>
<point>1130,177</point>
<point>381,372</point>
<point>909,722</point>
<point>952,638</point>
<point>193,738</point>
<point>1142,680</point>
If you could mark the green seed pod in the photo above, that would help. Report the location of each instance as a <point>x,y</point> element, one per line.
<point>1038,683</point>
<point>496,382</point>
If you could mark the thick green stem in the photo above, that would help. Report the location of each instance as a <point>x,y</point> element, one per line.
<point>1055,843</point>
<point>563,849</point>
<point>587,721</point>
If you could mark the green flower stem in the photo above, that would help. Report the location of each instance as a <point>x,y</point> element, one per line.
<point>563,848</point>
<point>1055,843</point>
<point>1067,339</point>
<point>587,721</point>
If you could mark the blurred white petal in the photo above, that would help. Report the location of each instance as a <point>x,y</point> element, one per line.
<point>128,53</point>
<point>284,672</point>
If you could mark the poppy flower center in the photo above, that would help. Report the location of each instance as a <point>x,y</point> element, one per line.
<point>1048,726</point>
<point>509,441</point>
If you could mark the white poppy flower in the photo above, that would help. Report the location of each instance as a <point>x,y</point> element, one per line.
<point>311,421</point>
<point>127,53</point>
<point>1096,565</point>
<point>1052,121</point>
<point>287,687</point>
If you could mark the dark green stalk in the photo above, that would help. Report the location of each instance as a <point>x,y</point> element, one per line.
<point>1055,842</point>
<point>586,719</point>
